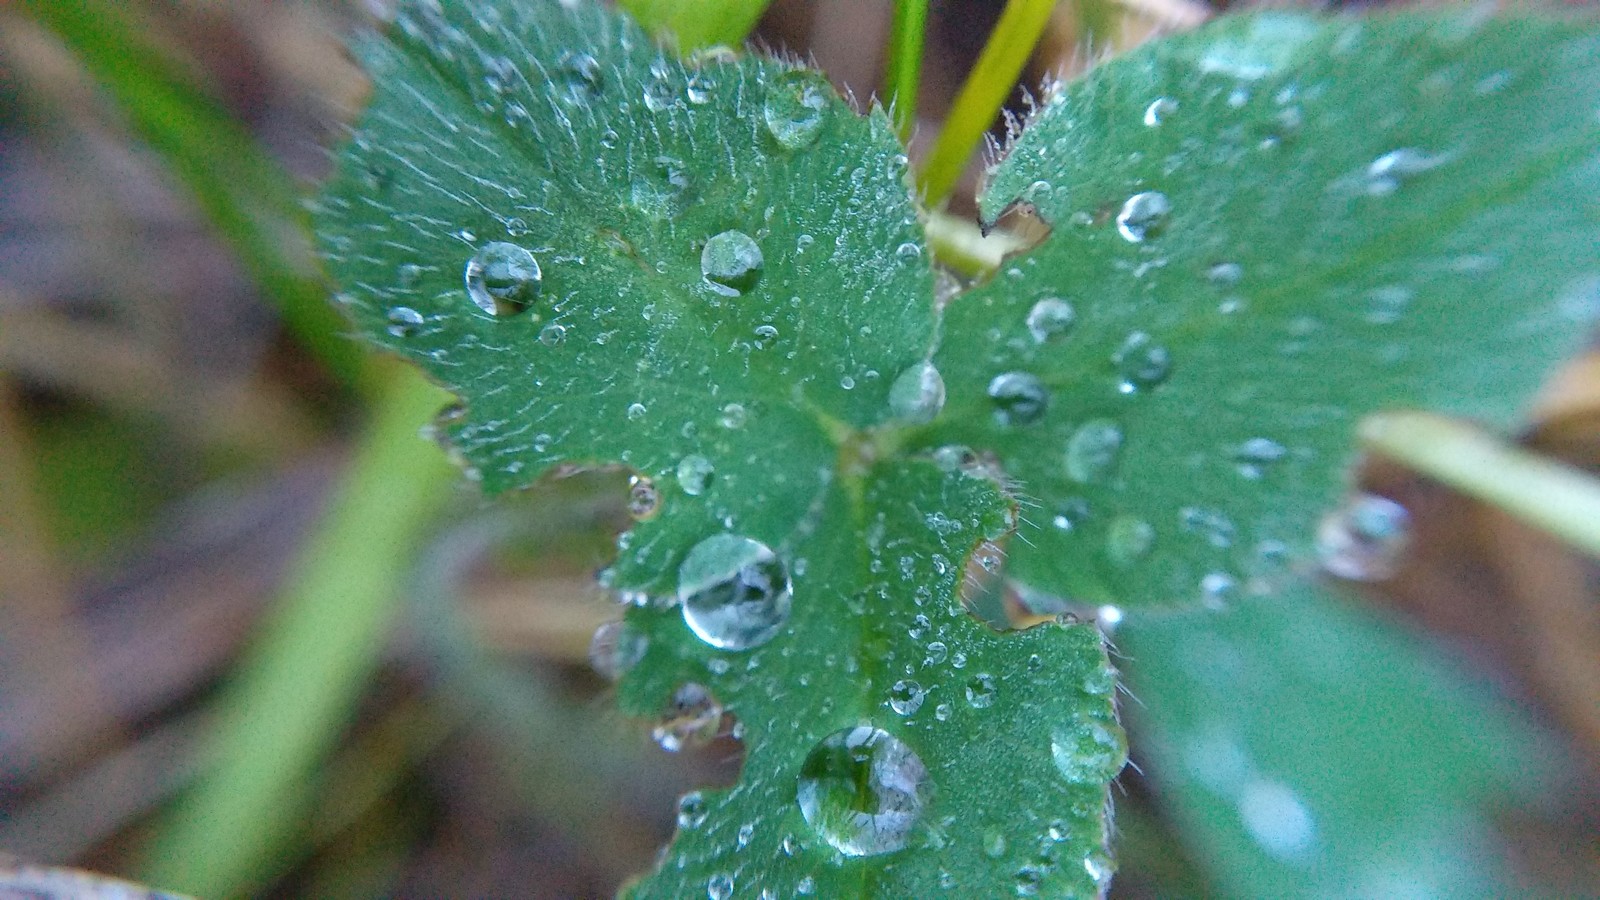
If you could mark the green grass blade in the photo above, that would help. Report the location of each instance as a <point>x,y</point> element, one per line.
<point>294,691</point>
<point>698,23</point>
<point>986,89</point>
<point>906,36</point>
<point>245,194</point>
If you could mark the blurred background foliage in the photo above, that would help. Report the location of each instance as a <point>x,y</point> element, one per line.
<point>191,455</point>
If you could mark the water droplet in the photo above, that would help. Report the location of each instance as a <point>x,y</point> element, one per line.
<point>735,592</point>
<point>1225,274</point>
<point>609,139</point>
<point>658,94</point>
<point>1092,450</point>
<point>1019,398</point>
<point>615,648</point>
<point>1386,172</point>
<point>863,790</point>
<point>636,411</point>
<point>578,76</point>
<point>806,886</point>
<point>795,109</point>
<point>692,810</point>
<point>731,263</point>
<point>1364,538</point>
<point>847,382</point>
<point>909,250</point>
<point>1028,880</point>
<point>980,691</point>
<point>719,887</point>
<point>917,395</point>
<point>766,335</point>
<point>502,279</point>
<point>1141,362</point>
<point>1128,539</point>
<point>693,718</point>
<point>553,335</point>
<point>1050,318</point>
<point>1256,454</point>
<point>1387,305</point>
<point>694,474</point>
<point>1158,111</point>
<point>994,844</point>
<point>1089,751</point>
<point>942,712</point>
<point>700,88</point>
<point>906,697</point>
<point>408,275</point>
<point>1143,216</point>
<point>644,501</point>
<point>733,416</point>
<point>937,653</point>
<point>405,322</point>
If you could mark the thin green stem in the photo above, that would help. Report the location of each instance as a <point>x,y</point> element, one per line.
<point>291,696</point>
<point>1542,492</point>
<point>906,36</point>
<point>991,81</point>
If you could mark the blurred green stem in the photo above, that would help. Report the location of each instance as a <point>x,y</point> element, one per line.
<point>988,85</point>
<point>906,37</point>
<point>293,693</point>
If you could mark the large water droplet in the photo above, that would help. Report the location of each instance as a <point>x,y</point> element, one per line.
<point>1141,362</point>
<point>918,394</point>
<point>405,322</point>
<point>1143,216</point>
<point>615,648</point>
<point>1364,538</point>
<point>1050,318</point>
<point>731,263</point>
<point>1019,398</point>
<point>578,77</point>
<point>1088,751</point>
<point>693,718</point>
<point>502,279</point>
<point>863,790</point>
<point>980,691</point>
<point>694,474</point>
<point>906,697</point>
<point>553,335</point>
<point>795,110</point>
<point>735,592</point>
<point>1092,450</point>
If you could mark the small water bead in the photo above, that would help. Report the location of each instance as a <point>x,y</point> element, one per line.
<point>1386,172</point>
<point>644,501</point>
<point>863,791</point>
<point>692,719</point>
<point>719,887</point>
<point>1092,451</point>
<point>795,109</point>
<point>1019,398</point>
<point>694,474</point>
<point>735,592</point>
<point>1158,111</point>
<point>994,844</point>
<point>615,648</point>
<point>1089,751</point>
<point>501,278</point>
<point>692,810</point>
<point>1255,455</point>
<point>731,263</point>
<point>1028,880</point>
<point>553,335</point>
<point>700,88</point>
<point>980,691</point>
<point>847,382</point>
<point>806,886</point>
<point>408,275</point>
<point>636,411</point>
<point>404,321</point>
<point>1143,216</point>
<point>1050,319</point>
<point>1225,274</point>
<point>917,395</point>
<point>1364,539</point>
<point>766,335</point>
<point>942,712</point>
<point>906,697</point>
<point>1141,362</point>
<point>1387,305</point>
<point>1129,539</point>
<point>937,653</point>
<point>578,76</point>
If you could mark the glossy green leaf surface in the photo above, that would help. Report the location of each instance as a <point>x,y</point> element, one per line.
<point>713,273</point>
<point>1264,230</point>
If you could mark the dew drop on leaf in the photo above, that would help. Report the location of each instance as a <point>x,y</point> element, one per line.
<point>700,88</point>
<point>553,334</point>
<point>906,697</point>
<point>1129,539</point>
<point>694,474</point>
<point>404,321</point>
<point>644,500</point>
<point>692,810</point>
<point>862,790</point>
<point>1255,455</point>
<point>917,395</point>
<point>1158,111</point>
<point>1143,216</point>
<point>501,278</point>
<point>1364,538</point>
<point>735,592</point>
<point>980,691</point>
<point>615,648</point>
<point>1050,318</point>
<point>1019,398</point>
<point>731,263</point>
<point>578,77</point>
<point>1088,751</point>
<point>1092,450</point>
<point>733,416</point>
<point>692,719</point>
<point>719,887</point>
<point>795,110</point>
<point>1141,363</point>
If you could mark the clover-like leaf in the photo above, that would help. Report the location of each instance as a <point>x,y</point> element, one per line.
<point>713,273</point>
<point>1262,231</point>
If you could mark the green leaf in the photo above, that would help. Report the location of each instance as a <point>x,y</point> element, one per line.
<point>1336,215</point>
<point>1309,750</point>
<point>713,274</point>
<point>698,23</point>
